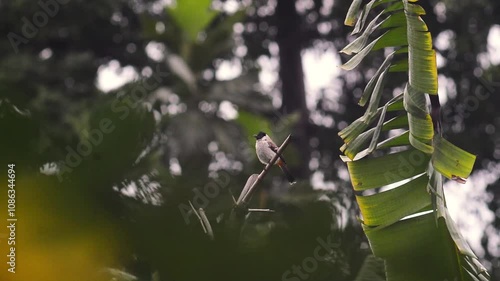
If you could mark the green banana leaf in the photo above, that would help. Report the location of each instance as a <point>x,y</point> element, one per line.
<point>400,191</point>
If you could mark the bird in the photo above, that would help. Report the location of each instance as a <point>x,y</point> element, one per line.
<point>266,149</point>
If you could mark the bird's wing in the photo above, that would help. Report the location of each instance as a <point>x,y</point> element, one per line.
<point>274,148</point>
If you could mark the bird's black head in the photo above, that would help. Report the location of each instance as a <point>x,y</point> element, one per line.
<point>259,135</point>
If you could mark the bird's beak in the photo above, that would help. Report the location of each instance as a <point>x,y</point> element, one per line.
<point>255,136</point>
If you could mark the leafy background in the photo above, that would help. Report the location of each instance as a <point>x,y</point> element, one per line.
<point>229,71</point>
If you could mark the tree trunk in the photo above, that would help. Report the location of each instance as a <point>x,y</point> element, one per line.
<point>291,74</point>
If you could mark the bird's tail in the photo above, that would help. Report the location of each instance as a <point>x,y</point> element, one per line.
<point>287,173</point>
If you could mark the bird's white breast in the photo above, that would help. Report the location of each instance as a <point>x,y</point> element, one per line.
<point>264,153</point>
